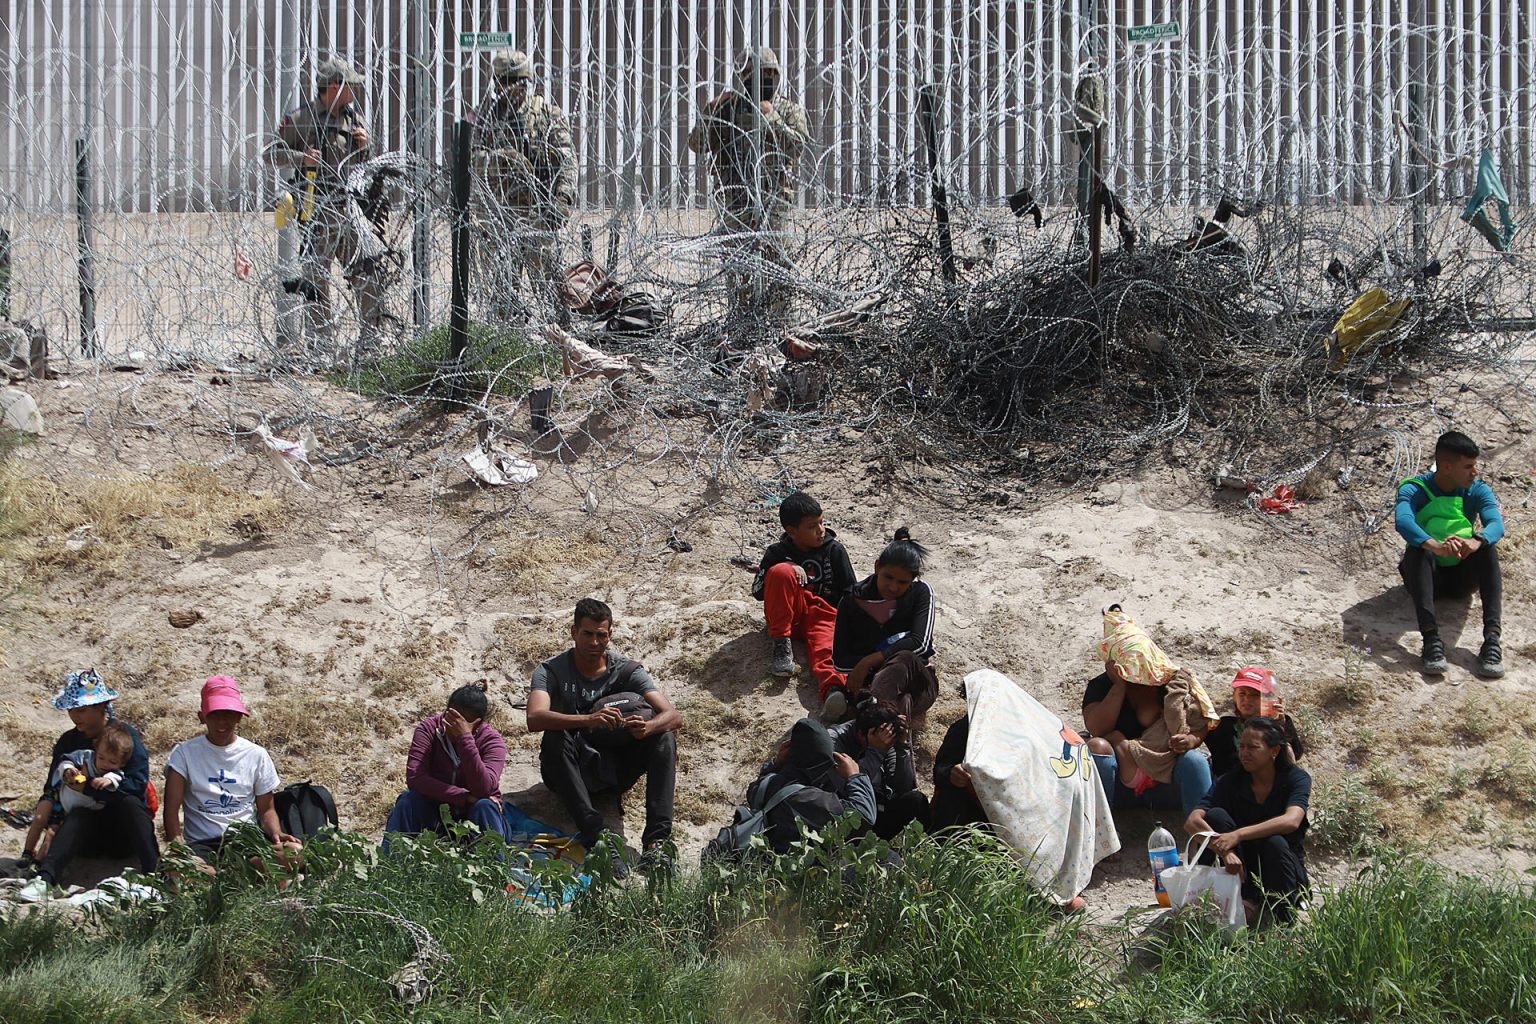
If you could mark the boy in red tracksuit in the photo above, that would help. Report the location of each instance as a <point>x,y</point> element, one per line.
<point>800,582</point>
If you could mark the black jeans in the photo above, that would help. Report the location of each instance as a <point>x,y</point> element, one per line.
<point>1273,873</point>
<point>900,811</point>
<point>574,771</point>
<point>1426,579</point>
<point>953,807</point>
<point>121,828</point>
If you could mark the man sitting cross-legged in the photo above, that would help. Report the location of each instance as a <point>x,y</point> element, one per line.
<point>605,724</point>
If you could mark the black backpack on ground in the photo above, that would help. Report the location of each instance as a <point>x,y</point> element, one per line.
<point>732,841</point>
<point>303,809</point>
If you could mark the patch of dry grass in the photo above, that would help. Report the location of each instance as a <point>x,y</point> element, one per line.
<point>517,647</point>
<point>701,804</point>
<point>529,565</point>
<point>411,668</point>
<point>56,526</point>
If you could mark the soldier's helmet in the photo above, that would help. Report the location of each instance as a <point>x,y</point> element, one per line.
<point>511,65</point>
<point>336,69</point>
<point>762,59</point>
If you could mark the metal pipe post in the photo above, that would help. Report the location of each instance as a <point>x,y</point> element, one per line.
<point>759,152</point>
<point>289,333</point>
<point>422,129</point>
<point>458,314</point>
<point>85,258</point>
<point>927,108</point>
<point>1418,96</point>
<point>1096,207</point>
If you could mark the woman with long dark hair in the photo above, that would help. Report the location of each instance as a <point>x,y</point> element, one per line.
<point>1259,814</point>
<point>883,639</point>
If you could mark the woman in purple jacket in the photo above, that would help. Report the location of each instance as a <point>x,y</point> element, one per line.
<point>455,760</point>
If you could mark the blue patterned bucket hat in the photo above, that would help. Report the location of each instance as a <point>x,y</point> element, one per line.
<point>83,689</point>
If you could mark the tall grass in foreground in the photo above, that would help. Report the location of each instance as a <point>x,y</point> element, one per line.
<point>953,934</point>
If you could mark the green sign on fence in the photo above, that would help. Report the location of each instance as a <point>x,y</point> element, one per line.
<point>1153,33</point>
<point>484,40</point>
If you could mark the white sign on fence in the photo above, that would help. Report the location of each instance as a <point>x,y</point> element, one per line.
<point>484,40</point>
<point>1153,33</point>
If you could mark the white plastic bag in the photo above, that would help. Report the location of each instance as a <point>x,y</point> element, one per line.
<point>1190,881</point>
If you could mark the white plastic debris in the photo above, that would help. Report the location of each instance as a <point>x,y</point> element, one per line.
<point>113,890</point>
<point>498,467</point>
<point>289,455</point>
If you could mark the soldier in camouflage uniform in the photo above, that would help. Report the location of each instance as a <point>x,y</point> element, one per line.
<point>326,136</point>
<point>526,165</point>
<point>754,140</point>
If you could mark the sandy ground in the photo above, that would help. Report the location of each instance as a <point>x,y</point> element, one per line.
<point>354,611</point>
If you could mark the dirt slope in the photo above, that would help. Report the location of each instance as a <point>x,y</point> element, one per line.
<point>350,610</point>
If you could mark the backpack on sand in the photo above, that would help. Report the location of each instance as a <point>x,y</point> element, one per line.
<point>303,809</point>
<point>733,840</point>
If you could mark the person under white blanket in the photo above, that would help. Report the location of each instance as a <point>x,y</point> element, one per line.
<point>1036,781</point>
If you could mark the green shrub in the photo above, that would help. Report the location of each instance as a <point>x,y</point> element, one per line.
<point>498,361</point>
<point>1345,815</point>
<point>1408,941</point>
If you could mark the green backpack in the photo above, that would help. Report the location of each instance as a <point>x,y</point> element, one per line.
<point>1442,519</point>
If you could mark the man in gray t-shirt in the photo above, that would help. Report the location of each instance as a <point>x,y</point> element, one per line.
<point>572,693</point>
<point>587,751</point>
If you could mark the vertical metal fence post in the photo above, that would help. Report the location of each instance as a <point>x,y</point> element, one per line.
<point>458,315</point>
<point>85,258</point>
<point>1418,95</point>
<point>288,304</point>
<point>422,129</point>
<point>927,110</point>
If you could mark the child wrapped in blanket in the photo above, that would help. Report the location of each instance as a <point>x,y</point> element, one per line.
<point>1177,702</point>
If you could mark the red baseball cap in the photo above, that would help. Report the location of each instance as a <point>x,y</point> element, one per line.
<point>1261,679</point>
<point>221,693</point>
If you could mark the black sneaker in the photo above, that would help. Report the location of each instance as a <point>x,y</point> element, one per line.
<point>1434,655</point>
<point>656,864</point>
<point>1490,660</point>
<point>605,858</point>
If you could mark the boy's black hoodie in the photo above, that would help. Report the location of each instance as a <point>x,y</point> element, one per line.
<point>828,570</point>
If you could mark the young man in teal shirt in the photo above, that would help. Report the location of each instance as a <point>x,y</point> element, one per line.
<point>1451,523</point>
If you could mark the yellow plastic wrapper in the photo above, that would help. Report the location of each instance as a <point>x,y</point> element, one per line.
<point>1366,320</point>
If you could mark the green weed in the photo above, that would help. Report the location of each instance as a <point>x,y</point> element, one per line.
<point>498,361</point>
<point>1345,815</point>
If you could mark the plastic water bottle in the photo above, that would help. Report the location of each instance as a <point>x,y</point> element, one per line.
<point>1162,853</point>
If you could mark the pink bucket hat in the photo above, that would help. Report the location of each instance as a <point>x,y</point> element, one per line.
<point>221,693</point>
<point>1261,679</point>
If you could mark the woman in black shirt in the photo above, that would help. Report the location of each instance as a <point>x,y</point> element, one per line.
<point>1259,812</point>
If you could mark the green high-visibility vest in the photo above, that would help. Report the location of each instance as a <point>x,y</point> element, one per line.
<point>1442,518</point>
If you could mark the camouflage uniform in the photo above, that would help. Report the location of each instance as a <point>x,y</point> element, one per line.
<point>526,164</point>
<point>337,230</point>
<point>754,180</point>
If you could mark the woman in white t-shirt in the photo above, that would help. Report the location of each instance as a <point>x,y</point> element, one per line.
<point>217,779</point>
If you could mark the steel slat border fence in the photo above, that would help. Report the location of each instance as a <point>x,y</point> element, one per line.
<point>186,92</point>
